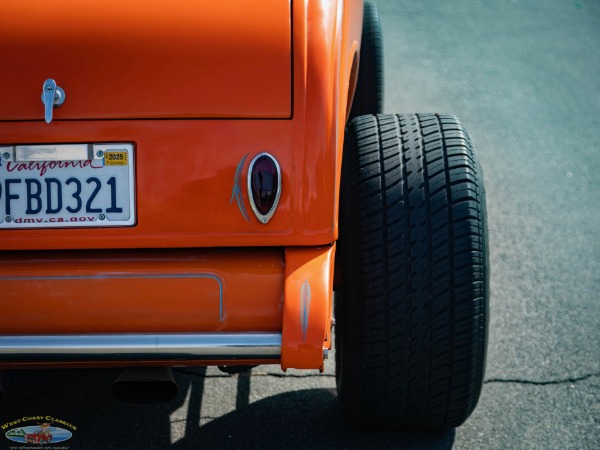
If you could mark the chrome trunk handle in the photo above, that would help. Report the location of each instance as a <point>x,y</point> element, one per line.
<point>52,95</point>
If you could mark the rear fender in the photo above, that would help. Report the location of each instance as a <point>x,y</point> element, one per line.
<point>307,307</point>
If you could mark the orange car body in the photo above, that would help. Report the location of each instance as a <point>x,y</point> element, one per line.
<point>198,89</point>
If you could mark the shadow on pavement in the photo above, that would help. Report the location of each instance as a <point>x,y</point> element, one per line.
<point>308,418</point>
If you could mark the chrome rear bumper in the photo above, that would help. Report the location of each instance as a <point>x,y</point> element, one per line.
<point>147,347</point>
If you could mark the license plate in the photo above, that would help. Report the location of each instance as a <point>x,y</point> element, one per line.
<point>67,185</point>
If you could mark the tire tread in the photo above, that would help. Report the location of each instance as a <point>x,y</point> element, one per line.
<point>412,223</point>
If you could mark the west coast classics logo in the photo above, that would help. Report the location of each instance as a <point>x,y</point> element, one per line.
<point>38,430</point>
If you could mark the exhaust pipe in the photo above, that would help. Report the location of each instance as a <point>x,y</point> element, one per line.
<point>145,385</point>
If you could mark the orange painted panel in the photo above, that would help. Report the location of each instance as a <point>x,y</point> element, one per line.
<point>186,169</point>
<point>141,59</point>
<point>185,177</point>
<point>141,291</point>
<point>307,307</point>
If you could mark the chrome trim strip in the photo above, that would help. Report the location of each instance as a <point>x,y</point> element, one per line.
<point>237,188</point>
<point>305,296</point>
<point>103,347</point>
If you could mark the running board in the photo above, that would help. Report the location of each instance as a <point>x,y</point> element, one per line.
<point>147,347</point>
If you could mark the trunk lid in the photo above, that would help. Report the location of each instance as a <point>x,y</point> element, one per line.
<point>147,59</point>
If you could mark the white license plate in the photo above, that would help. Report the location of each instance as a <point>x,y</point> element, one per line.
<point>67,185</point>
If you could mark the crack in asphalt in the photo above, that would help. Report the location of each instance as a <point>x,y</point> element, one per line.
<point>542,383</point>
<point>329,375</point>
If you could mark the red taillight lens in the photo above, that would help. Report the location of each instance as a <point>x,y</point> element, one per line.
<point>264,186</point>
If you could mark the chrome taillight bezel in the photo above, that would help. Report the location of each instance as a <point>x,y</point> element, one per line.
<point>264,218</point>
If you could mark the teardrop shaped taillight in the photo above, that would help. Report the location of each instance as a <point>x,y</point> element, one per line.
<point>264,186</point>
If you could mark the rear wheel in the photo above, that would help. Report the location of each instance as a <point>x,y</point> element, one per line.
<point>411,321</point>
<point>368,96</point>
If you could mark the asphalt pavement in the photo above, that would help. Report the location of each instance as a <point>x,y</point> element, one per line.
<point>524,77</point>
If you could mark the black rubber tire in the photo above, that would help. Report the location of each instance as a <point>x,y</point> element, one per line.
<point>368,96</point>
<point>412,318</point>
